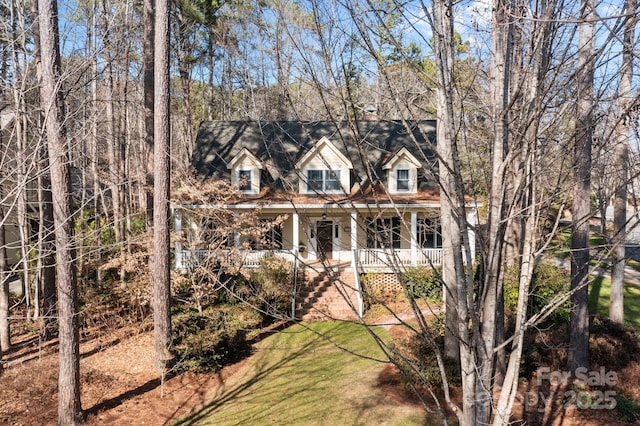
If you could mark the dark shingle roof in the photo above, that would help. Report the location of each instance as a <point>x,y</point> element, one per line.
<point>281,144</point>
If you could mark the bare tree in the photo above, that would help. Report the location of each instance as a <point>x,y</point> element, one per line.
<point>147,65</point>
<point>113,151</point>
<point>623,134</point>
<point>160,269</point>
<point>5,336</point>
<point>581,209</point>
<point>69,407</point>
<point>46,236</point>
<point>20,61</point>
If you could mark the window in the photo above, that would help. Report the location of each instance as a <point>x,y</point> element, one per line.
<point>383,233</point>
<point>315,180</point>
<point>331,180</point>
<point>429,233</point>
<point>268,239</point>
<point>323,180</point>
<point>273,238</point>
<point>244,180</point>
<point>402,179</point>
<point>212,236</point>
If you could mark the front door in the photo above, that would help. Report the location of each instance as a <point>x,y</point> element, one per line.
<point>324,239</point>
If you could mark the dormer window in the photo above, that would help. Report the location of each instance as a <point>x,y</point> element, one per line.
<point>323,180</point>
<point>402,172</point>
<point>402,180</point>
<point>245,172</point>
<point>245,181</point>
<point>324,169</point>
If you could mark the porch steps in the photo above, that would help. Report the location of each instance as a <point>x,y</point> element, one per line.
<point>322,295</point>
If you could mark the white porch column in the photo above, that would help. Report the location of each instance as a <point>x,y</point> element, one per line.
<point>236,235</point>
<point>177,226</point>
<point>471,220</point>
<point>414,238</point>
<point>296,233</point>
<point>354,230</point>
<point>354,260</point>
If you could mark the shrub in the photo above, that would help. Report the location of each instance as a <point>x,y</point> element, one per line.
<point>423,282</point>
<point>138,225</point>
<point>207,341</point>
<point>418,359</point>
<point>272,285</point>
<point>548,281</point>
<point>511,288</point>
<point>627,408</point>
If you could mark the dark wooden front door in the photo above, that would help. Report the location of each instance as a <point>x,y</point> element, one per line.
<point>324,239</point>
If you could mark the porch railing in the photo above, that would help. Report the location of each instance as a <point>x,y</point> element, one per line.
<point>366,258</point>
<point>248,258</point>
<point>252,258</point>
<point>387,258</point>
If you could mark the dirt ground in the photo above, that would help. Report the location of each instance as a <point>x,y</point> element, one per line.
<point>120,386</point>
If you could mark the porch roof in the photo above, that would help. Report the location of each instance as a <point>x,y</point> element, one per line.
<point>278,199</point>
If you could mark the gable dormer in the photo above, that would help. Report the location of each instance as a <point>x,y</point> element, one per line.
<point>324,170</point>
<point>402,172</point>
<point>245,172</point>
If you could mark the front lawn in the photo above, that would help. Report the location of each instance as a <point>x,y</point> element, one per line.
<point>599,291</point>
<point>298,376</point>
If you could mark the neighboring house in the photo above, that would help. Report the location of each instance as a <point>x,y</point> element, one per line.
<point>12,235</point>
<point>360,198</point>
<point>632,237</point>
<point>632,228</point>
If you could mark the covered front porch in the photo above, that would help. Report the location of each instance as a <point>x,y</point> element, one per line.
<point>381,260</point>
<point>365,238</point>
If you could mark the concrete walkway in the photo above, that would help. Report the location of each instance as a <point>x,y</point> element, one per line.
<point>389,320</point>
<point>631,275</point>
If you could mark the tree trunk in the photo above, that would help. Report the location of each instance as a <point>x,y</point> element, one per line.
<point>97,193</point>
<point>148,116</point>
<point>5,336</point>
<point>48,251</point>
<point>20,131</point>
<point>112,140</point>
<point>581,210</point>
<point>46,240</point>
<point>69,407</point>
<point>458,343</point>
<point>444,49</point>
<point>623,134</point>
<point>160,273</point>
<point>491,295</point>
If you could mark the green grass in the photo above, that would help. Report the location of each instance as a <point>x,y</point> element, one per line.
<point>599,291</point>
<point>298,377</point>
<point>633,264</point>
<point>561,246</point>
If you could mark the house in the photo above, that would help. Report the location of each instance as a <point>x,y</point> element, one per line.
<point>9,219</point>
<point>632,225</point>
<point>358,197</point>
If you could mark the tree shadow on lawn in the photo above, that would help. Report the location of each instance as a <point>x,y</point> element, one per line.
<point>154,384</point>
<point>594,294</point>
<point>262,373</point>
<point>599,299</point>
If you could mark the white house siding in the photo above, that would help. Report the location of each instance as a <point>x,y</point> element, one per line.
<point>326,158</point>
<point>403,163</point>
<point>247,163</point>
